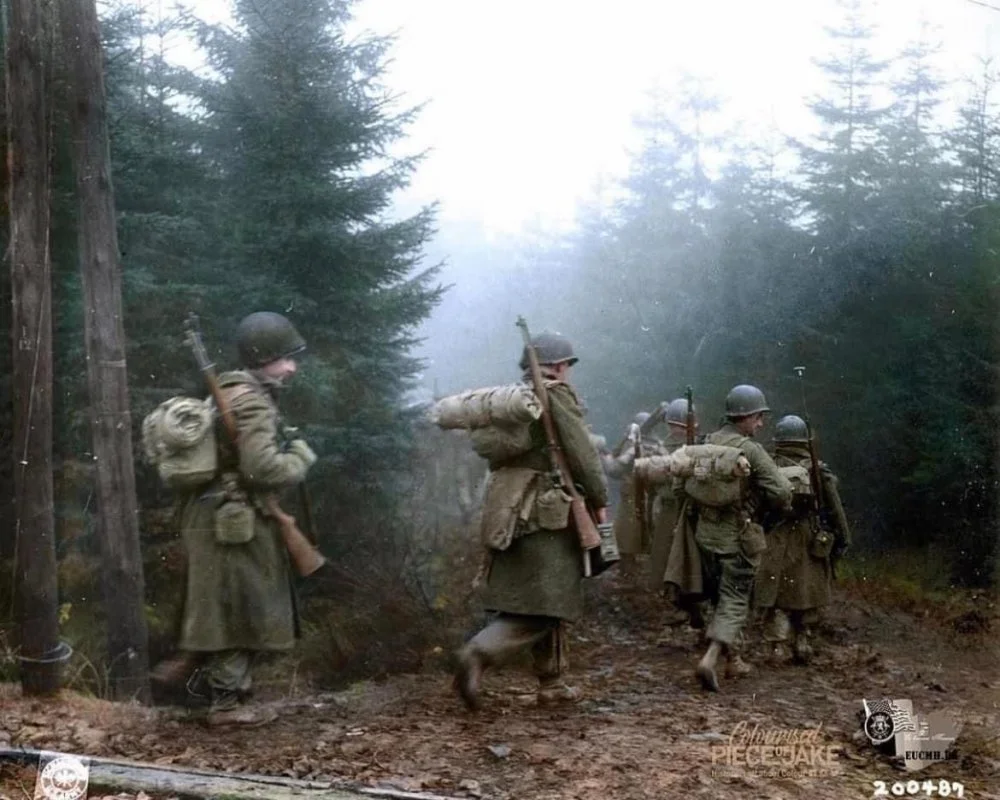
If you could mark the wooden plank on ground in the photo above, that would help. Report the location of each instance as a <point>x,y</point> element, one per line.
<point>134,777</point>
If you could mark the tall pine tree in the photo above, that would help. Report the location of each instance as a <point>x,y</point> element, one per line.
<point>301,131</point>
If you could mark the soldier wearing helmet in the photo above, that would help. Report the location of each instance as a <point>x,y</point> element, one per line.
<point>534,583</point>
<point>633,541</point>
<point>730,538</point>
<point>795,576</point>
<point>669,570</point>
<point>239,599</point>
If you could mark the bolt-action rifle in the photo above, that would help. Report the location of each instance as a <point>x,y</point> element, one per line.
<point>584,523</point>
<point>816,479</point>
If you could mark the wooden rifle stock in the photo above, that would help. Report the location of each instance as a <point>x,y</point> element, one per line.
<point>305,557</point>
<point>586,527</point>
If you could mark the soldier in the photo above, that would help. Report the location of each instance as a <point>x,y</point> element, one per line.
<point>666,508</point>
<point>793,584</point>
<point>239,599</point>
<point>730,538</point>
<point>633,540</point>
<point>535,583</point>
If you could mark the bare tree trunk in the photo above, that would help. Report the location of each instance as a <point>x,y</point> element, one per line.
<point>31,339</point>
<point>107,378</point>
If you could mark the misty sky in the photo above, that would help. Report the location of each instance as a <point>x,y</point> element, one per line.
<point>531,101</point>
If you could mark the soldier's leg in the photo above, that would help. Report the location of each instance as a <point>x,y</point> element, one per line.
<point>227,674</point>
<point>676,612</point>
<point>550,663</point>
<point>800,624</point>
<point>228,677</point>
<point>776,634</point>
<point>501,640</point>
<point>735,587</point>
<point>736,575</point>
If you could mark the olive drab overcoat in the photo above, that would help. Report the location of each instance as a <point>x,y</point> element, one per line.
<point>540,572</point>
<point>239,594</point>
<point>666,507</point>
<point>790,577</point>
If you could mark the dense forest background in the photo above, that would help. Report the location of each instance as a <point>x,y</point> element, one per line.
<point>867,254</point>
<point>266,181</point>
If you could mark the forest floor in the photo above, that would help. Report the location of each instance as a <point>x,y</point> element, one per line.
<point>644,728</point>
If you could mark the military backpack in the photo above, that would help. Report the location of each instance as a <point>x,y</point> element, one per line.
<point>714,474</point>
<point>178,438</point>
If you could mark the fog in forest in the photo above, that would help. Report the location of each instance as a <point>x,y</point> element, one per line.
<point>696,194</point>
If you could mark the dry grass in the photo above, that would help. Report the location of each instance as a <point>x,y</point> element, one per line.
<point>917,581</point>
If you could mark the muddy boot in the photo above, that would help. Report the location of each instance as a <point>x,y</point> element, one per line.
<point>778,654</point>
<point>227,709</point>
<point>706,667</point>
<point>802,649</point>
<point>736,667</point>
<point>468,677</point>
<point>175,670</point>
<point>697,615</point>
<point>556,690</point>
<point>675,617</point>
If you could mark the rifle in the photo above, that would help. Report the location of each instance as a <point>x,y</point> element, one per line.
<point>654,419</point>
<point>586,527</point>
<point>689,420</point>
<point>304,554</point>
<point>819,500</point>
<point>639,487</point>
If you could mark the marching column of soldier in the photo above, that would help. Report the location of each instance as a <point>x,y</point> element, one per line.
<point>726,529</point>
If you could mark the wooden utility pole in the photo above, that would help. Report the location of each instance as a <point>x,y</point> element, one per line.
<point>104,335</point>
<point>31,339</point>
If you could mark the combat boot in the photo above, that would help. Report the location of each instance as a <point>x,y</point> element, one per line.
<point>802,649</point>
<point>175,670</point>
<point>699,612</point>
<point>226,709</point>
<point>675,617</point>
<point>469,677</point>
<point>736,667</point>
<point>556,690</point>
<point>706,667</point>
<point>778,655</point>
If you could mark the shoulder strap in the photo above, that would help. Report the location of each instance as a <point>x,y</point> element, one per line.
<point>238,390</point>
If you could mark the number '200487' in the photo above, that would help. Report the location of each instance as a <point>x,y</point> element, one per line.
<point>941,788</point>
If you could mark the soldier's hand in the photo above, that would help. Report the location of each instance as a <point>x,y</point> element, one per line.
<point>602,515</point>
<point>300,448</point>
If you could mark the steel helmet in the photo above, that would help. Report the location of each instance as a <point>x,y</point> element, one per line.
<point>264,336</point>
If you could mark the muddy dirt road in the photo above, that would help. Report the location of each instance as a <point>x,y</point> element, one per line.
<point>644,729</point>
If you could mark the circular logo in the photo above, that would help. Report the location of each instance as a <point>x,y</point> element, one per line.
<point>879,727</point>
<point>64,778</point>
